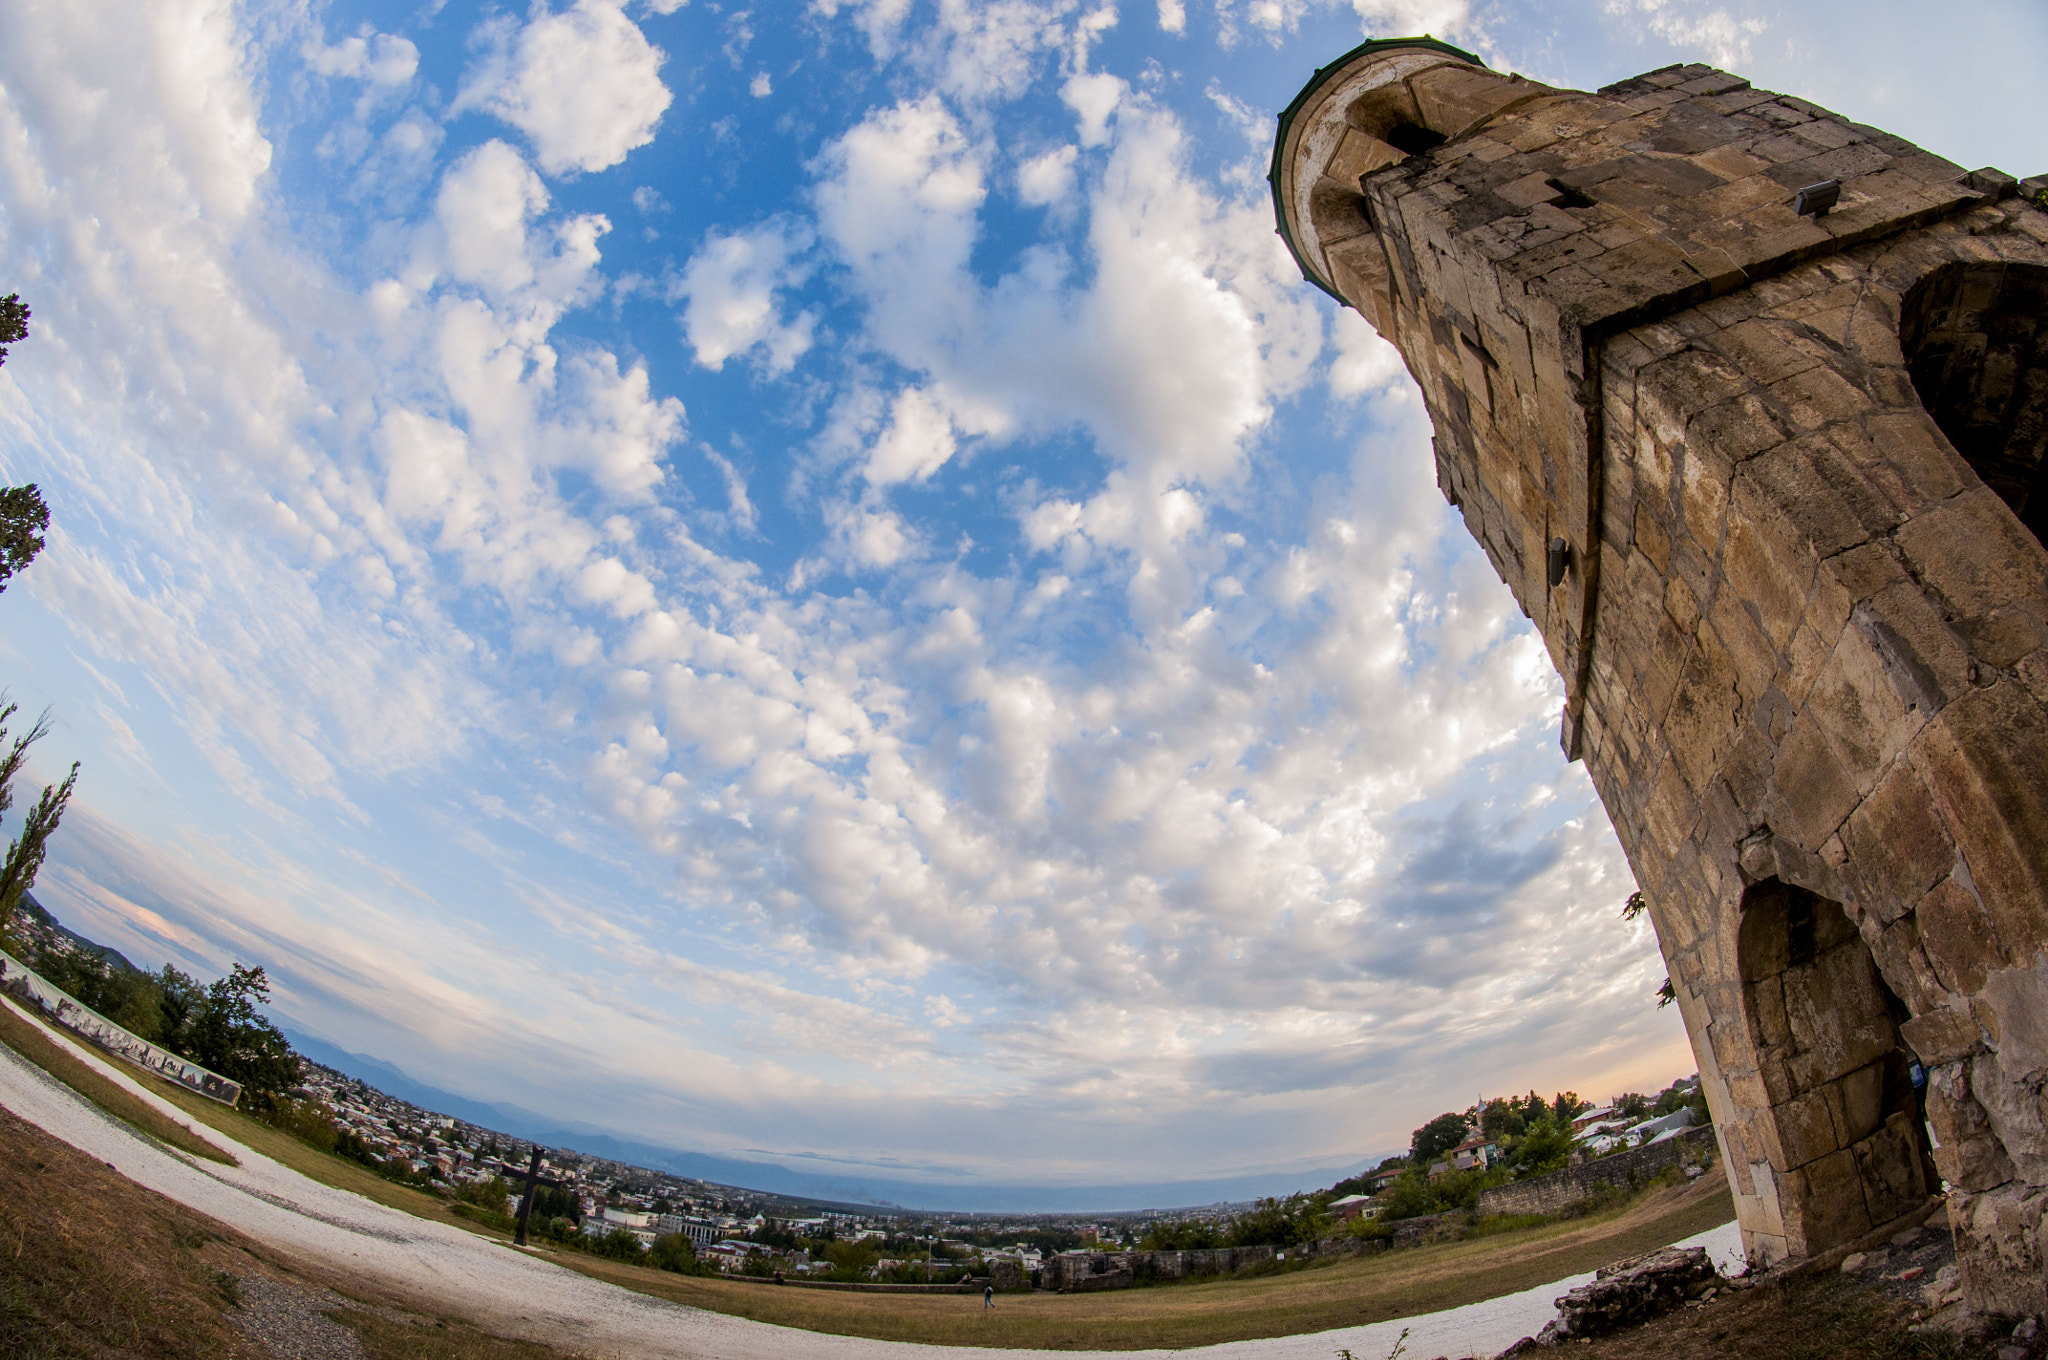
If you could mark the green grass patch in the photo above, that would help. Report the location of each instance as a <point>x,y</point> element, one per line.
<point>31,1041</point>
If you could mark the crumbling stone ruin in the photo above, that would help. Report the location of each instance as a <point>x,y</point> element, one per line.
<point>1630,1293</point>
<point>1747,404</point>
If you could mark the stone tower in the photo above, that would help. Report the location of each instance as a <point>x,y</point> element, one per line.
<point>1766,470</point>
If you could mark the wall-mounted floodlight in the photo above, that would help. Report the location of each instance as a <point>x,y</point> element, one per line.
<point>1560,561</point>
<point>1815,199</point>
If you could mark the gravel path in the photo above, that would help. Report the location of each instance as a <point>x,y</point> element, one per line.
<point>517,1295</point>
<point>293,1323</point>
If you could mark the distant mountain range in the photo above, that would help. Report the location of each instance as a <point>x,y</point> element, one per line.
<point>821,1188</point>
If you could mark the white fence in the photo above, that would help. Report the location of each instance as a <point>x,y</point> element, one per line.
<point>60,1007</point>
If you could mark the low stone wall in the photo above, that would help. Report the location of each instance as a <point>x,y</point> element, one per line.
<point>1420,1232</point>
<point>1548,1194</point>
<point>971,1285</point>
<point>56,1005</point>
<point>1096,1270</point>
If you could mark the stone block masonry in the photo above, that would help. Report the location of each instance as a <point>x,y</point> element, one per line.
<point>1561,1189</point>
<point>1085,1272</point>
<point>1771,486</point>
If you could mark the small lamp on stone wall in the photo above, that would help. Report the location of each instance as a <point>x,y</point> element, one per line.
<point>1560,561</point>
<point>1815,199</point>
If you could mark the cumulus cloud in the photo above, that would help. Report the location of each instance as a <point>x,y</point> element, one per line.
<point>1365,362</point>
<point>917,443</point>
<point>1719,36</point>
<point>730,288</point>
<point>1047,178</point>
<point>380,58</point>
<point>583,84</point>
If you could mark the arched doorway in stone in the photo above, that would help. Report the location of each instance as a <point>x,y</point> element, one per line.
<point>1975,336</point>
<point>1847,1123</point>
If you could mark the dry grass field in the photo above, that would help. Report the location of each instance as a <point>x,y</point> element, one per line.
<point>1344,1294</point>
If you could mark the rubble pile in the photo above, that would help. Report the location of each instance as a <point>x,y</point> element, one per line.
<point>1632,1292</point>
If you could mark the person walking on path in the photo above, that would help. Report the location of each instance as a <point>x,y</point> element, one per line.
<point>988,1296</point>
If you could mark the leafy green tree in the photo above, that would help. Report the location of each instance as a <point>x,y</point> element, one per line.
<point>1546,1147</point>
<point>233,1038</point>
<point>1632,1106</point>
<point>23,516</point>
<point>178,997</point>
<point>1567,1106</point>
<point>25,853</point>
<point>485,1194</point>
<point>674,1252</point>
<point>619,1245</point>
<point>1193,1236</point>
<point>1437,1137</point>
<point>1503,1119</point>
<point>23,520</point>
<point>851,1261</point>
<point>554,1201</point>
<point>13,323</point>
<point>1278,1223</point>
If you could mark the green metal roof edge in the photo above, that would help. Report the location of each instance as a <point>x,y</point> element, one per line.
<point>1323,75</point>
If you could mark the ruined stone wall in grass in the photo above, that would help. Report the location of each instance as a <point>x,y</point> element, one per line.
<point>1551,1193</point>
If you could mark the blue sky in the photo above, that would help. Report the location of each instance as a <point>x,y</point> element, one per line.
<point>807,582</point>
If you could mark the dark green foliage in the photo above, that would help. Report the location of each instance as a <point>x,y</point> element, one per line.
<point>1437,1137</point>
<point>1632,1106</point>
<point>1545,1148</point>
<point>23,520</point>
<point>851,1261</point>
<point>1182,1237</point>
<point>23,516</point>
<point>553,1201</point>
<point>1567,1106</point>
<point>616,1245</point>
<point>230,1036</point>
<point>1279,1223</point>
<point>1269,1222</point>
<point>1415,1195</point>
<point>25,853</point>
<point>13,322</point>
<point>1503,1119</point>
<point>674,1252</point>
<point>490,1194</point>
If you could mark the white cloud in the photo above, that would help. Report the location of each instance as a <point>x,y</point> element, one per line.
<point>760,86</point>
<point>1094,99</point>
<point>1276,19</point>
<point>1173,16</point>
<point>1365,363</point>
<point>731,285</point>
<point>1716,34</point>
<point>1047,178</point>
<point>917,443</point>
<point>584,84</point>
<point>380,58</point>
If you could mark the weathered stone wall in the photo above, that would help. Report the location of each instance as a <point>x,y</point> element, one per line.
<point>1559,1189</point>
<point>1801,634</point>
